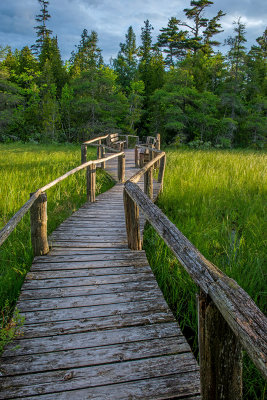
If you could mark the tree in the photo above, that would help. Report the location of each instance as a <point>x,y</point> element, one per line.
<point>172,40</point>
<point>200,38</point>
<point>232,95</point>
<point>41,30</point>
<point>125,65</point>
<point>88,55</point>
<point>50,52</point>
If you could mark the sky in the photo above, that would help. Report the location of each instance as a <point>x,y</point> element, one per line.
<point>111,19</point>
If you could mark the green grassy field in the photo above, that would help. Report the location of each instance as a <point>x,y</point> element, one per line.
<point>24,169</point>
<point>218,200</point>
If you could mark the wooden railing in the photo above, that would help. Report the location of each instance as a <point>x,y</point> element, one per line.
<point>37,204</point>
<point>229,320</point>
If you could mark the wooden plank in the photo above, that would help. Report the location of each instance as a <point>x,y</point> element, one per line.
<point>176,386</point>
<point>87,257</point>
<point>85,301</point>
<point>88,324</point>
<point>94,356</point>
<point>87,272</point>
<point>64,380</point>
<point>92,280</point>
<point>77,313</point>
<point>69,265</point>
<point>81,340</point>
<point>47,293</point>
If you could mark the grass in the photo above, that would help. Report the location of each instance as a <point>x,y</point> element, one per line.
<point>218,200</point>
<point>24,169</point>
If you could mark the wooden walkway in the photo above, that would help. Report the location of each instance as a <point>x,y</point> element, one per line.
<point>96,323</point>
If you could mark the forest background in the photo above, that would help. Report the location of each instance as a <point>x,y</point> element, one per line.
<point>182,86</point>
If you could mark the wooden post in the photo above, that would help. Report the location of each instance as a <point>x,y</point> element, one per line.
<point>136,157</point>
<point>151,154</point>
<point>148,183</point>
<point>161,171</point>
<point>132,222</point>
<point>38,213</point>
<point>91,179</point>
<point>103,152</point>
<point>99,149</point>
<point>83,153</point>
<point>157,141</point>
<point>127,142</point>
<point>121,168</point>
<point>220,354</point>
<point>142,159</point>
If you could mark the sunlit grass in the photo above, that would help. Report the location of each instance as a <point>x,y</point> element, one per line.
<point>218,200</point>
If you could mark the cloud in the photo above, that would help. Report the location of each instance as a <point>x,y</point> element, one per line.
<point>112,19</point>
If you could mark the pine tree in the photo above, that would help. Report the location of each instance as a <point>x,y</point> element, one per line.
<point>41,30</point>
<point>200,38</point>
<point>125,65</point>
<point>172,40</point>
<point>88,55</point>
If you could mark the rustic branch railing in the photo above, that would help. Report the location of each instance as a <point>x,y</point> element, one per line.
<point>38,202</point>
<point>229,320</point>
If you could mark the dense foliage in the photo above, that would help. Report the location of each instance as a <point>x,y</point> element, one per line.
<point>181,86</point>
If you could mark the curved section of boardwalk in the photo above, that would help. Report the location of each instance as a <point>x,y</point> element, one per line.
<point>96,323</point>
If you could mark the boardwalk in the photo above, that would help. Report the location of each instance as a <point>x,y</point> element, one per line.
<point>96,323</point>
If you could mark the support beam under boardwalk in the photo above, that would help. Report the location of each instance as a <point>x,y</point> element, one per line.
<point>96,323</point>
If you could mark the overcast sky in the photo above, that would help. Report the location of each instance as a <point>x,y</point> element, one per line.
<point>111,19</point>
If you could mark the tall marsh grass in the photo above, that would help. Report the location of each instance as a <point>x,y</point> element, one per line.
<point>24,169</point>
<point>218,200</point>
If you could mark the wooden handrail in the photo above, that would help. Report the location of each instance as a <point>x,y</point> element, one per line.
<point>13,222</point>
<point>96,139</point>
<point>239,311</point>
<point>136,177</point>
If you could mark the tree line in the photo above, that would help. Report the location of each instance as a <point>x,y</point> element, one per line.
<point>182,86</point>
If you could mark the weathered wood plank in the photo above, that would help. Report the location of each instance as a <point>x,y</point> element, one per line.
<point>87,272</point>
<point>47,293</point>
<point>86,301</point>
<point>55,328</point>
<point>81,340</point>
<point>63,380</point>
<point>81,281</point>
<point>94,356</point>
<point>176,386</point>
<point>77,313</point>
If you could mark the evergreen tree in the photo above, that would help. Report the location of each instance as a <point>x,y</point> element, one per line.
<point>50,52</point>
<point>172,40</point>
<point>201,38</point>
<point>232,95</point>
<point>41,30</point>
<point>125,65</point>
<point>88,55</point>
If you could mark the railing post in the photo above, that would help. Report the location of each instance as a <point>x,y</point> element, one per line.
<point>142,159</point>
<point>99,149</point>
<point>136,157</point>
<point>91,179</point>
<point>132,222</point>
<point>103,152</point>
<point>38,213</point>
<point>83,153</point>
<point>220,354</point>
<point>157,141</point>
<point>121,168</point>
<point>148,183</point>
<point>127,141</point>
<point>162,166</point>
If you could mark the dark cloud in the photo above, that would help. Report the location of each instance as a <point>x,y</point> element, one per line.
<point>112,19</point>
